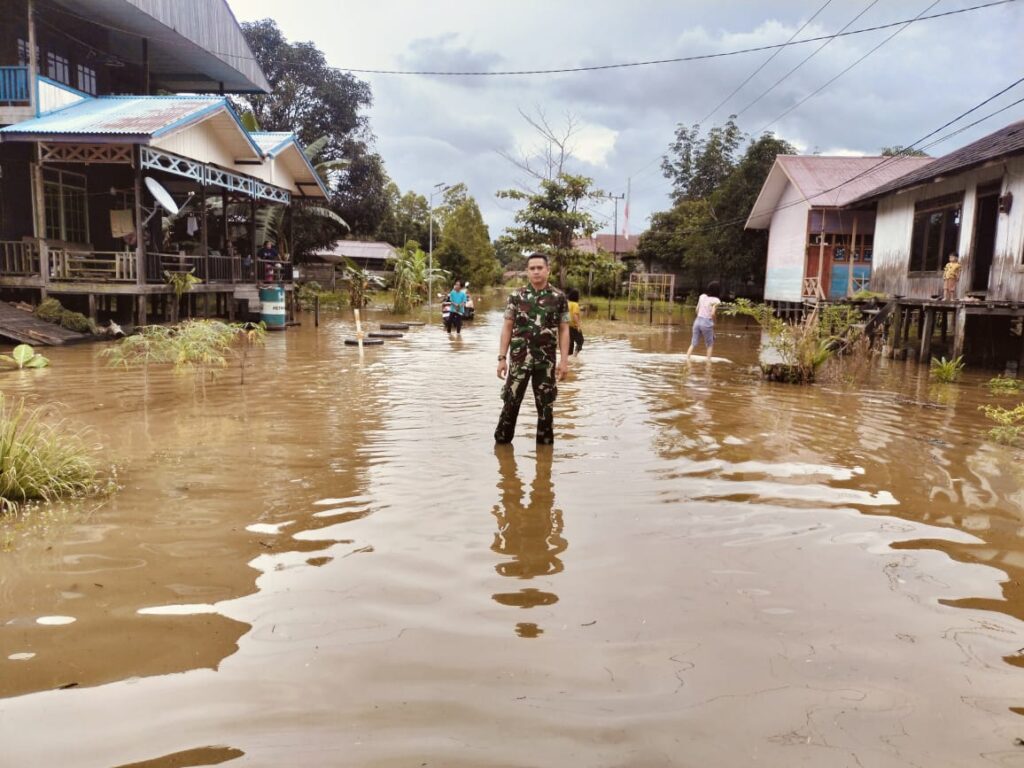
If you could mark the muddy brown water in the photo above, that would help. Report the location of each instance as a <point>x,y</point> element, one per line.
<point>333,565</point>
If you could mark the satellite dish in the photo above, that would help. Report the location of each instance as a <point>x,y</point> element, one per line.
<point>161,195</point>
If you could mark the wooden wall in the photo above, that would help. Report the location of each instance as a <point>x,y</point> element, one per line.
<point>894,227</point>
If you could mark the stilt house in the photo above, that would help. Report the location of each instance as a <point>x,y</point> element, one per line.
<point>87,152</point>
<point>970,202</point>
<point>816,249</point>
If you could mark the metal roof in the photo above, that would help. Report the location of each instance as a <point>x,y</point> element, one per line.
<point>998,144</point>
<point>193,45</point>
<point>358,249</point>
<point>272,142</point>
<point>121,116</point>
<point>827,182</point>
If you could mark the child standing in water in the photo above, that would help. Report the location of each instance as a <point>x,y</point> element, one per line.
<point>575,322</point>
<point>704,324</point>
<point>950,277</point>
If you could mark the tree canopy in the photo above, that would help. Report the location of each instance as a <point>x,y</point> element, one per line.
<point>552,217</point>
<point>714,189</point>
<point>316,100</point>
<point>466,251</point>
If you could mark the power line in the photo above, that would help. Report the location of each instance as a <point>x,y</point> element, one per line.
<point>885,161</point>
<point>767,61</point>
<point>818,50</point>
<point>680,59</point>
<point>858,61</point>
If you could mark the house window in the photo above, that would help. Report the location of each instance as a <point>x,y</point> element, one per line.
<point>23,57</point>
<point>66,205</point>
<point>87,79</point>
<point>936,232</point>
<point>58,68</point>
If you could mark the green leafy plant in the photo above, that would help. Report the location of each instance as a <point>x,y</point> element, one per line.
<point>1009,429</point>
<point>23,356</point>
<point>181,283</point>
<point>947,371</point>
<point>52,311</point>
<point>39,458</point>
<point>360,284</point>
<point>1002,385</point>
<point>413,276</point>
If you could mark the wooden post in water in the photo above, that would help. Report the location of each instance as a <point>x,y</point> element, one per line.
<point>927,328</point>
<point>316,310</point>
<point>897,331</point>
<point>359,332</point>
<point>960,331</point>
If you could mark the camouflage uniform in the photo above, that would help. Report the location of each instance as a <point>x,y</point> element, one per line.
<point>535,315</point>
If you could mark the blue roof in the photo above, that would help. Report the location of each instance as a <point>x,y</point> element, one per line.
<point>126,116</point>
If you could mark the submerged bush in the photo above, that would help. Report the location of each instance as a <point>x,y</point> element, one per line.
<point>947,371</point>
<point>52,311</point>
<point>1001,385</point>
<point>1009,421</point>
<point>39,459</point>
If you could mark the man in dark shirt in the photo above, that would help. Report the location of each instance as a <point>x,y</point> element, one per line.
<point>535,332</point>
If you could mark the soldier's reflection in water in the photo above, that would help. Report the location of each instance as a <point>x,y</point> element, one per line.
<point>529,535</point>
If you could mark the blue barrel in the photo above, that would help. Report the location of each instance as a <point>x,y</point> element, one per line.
<point>272,307</point>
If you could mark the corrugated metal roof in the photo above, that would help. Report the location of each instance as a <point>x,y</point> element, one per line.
<point>1006,141</point>
<point>835,181</point>
<point>607,242</point>
<point>359,249</point>
<point>269,141</point>
<point>120,116</point>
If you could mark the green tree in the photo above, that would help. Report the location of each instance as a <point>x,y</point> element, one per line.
<point>407,217</point>
<point>697,166</point>
<point>466,236</point>
<point>554,216</point>
<point>316,100</point>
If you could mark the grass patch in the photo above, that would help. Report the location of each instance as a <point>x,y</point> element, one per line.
<point>1002,385</point>
<point>52,311</point>
<point>40,459</point>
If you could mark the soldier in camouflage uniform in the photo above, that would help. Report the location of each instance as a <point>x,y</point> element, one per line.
<point>536,326</point>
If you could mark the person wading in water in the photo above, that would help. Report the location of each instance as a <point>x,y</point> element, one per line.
<point>536,329</point>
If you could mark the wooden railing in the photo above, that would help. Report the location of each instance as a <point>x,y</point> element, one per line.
<point>13,85</point>
<point>812,288</point>
<point>18,258</point>
<point>861,283</point>
<point>92,266</point>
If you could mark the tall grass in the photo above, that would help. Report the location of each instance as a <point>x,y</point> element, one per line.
<point>946,371</point>
<point>39,459</point>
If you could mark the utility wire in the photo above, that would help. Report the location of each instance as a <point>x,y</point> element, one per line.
<point>854,64</point>
<point>887,160</point>
<point>818,50</point>
<point>767,61</point>
<point>697,57</point>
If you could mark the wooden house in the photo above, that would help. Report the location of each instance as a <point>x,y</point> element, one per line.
<point>79,217</point>
<point>818,250</point>
<point>971,202</point>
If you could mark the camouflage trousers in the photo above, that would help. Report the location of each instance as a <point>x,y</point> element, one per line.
<point>545,390</point>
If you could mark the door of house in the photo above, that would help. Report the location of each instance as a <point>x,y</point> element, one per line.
<point>986,218</point>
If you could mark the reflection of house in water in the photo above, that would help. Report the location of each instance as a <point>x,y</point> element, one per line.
<point>817,250</point>
<point>529,535</point>
<point>79,218</point>
<point>962,202</point>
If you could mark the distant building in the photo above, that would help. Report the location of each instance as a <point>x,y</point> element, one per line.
<point>621,247</point>
<point>374,257</point>
<point>817,250</point>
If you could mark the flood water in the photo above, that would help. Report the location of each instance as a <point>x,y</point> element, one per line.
<point>333,565</point>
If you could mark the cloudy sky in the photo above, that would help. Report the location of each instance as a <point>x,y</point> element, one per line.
<point>450,129</point>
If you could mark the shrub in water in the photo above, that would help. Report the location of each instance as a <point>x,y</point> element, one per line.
<point>39,459</point>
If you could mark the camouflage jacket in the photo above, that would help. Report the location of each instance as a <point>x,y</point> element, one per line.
<point>535,317</point>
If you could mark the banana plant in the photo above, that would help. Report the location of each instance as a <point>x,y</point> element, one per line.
<point>23,356</point>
